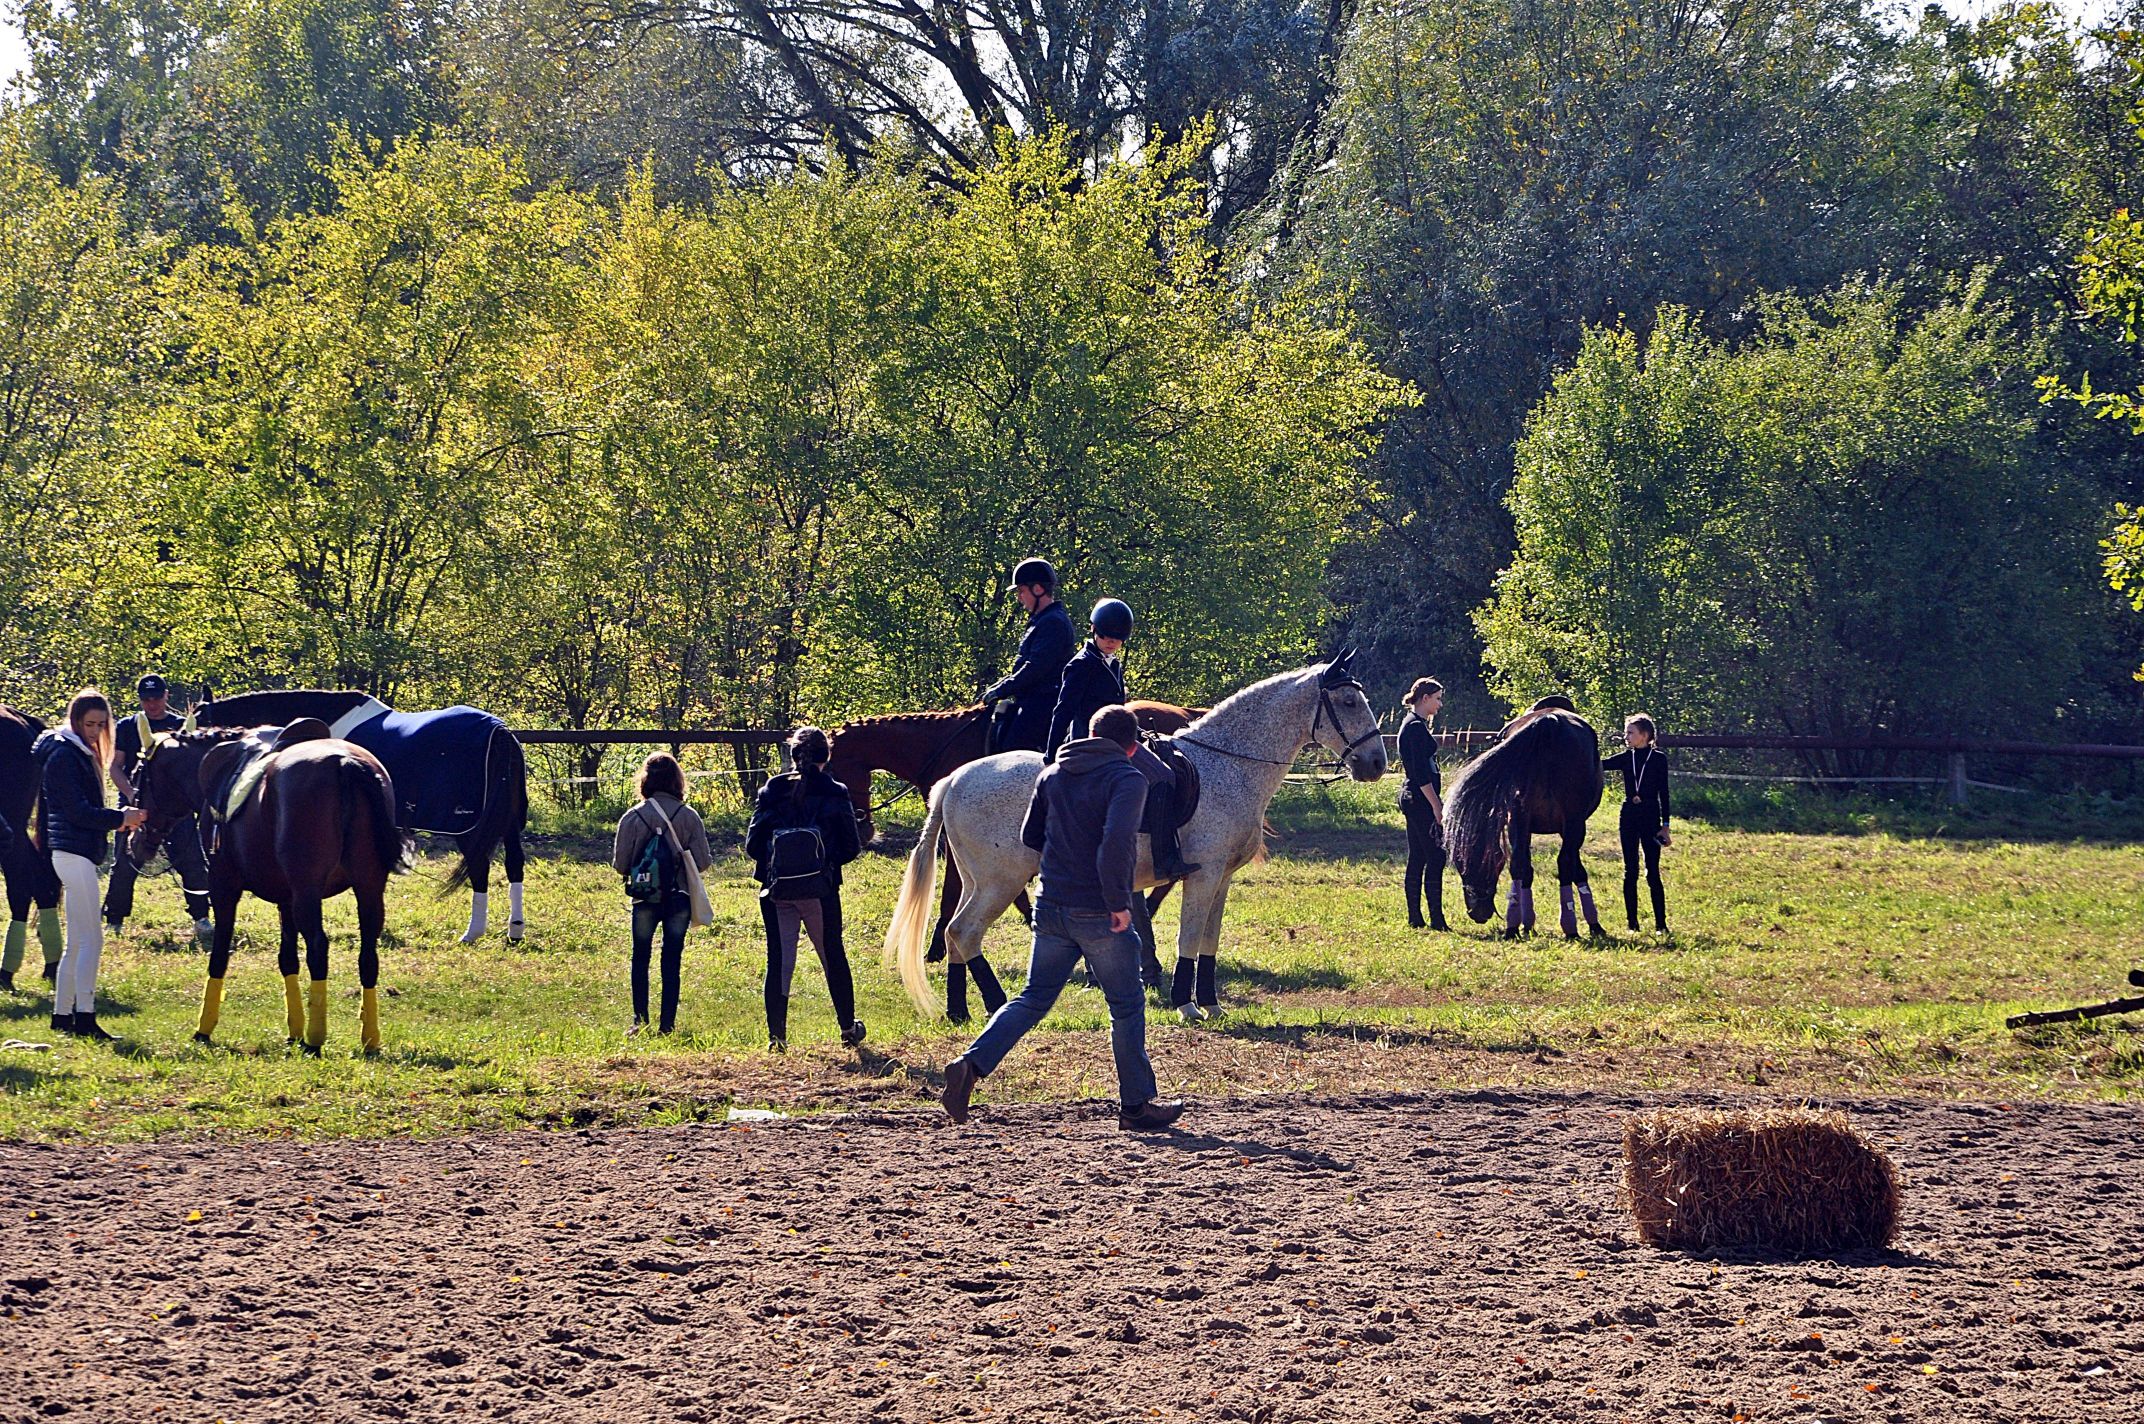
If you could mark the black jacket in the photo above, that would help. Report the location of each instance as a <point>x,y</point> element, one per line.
<point>1645,779</point>
<point>1084,818</point>
<point>1037,670</point>
<point>823,805</point>
<point>1418,761</point>
<point>71,813</point>
<point>1093,680</point>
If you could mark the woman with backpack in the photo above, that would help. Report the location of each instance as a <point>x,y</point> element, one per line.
<point>75,826</point>
<point>803,831</point>
<point>652,839</point>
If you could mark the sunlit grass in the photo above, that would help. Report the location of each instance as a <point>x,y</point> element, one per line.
<point>1894,956</point>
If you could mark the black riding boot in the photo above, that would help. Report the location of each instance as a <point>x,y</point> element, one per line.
<point>1660,908</point>
<point>778,1023</point>
<point>1414,899</point>
<point>986,984</point>
<point>1630,904</point>
<point>1433,887</point>
<point>1180,986</point>
<point>1169,862</point>
<point>1209,990</point>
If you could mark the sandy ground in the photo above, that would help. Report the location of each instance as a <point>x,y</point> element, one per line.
<point>1455,1256</point>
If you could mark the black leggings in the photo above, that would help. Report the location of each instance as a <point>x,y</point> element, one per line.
<point>1640,827</point>
<point>820,921</point>
<point>1425,860</point>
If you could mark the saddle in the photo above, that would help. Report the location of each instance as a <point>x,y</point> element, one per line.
<point>230,772</point>
<point>1187,774</point>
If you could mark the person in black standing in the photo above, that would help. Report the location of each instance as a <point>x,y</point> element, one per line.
<point>803,831</point>
<point>182,843</point>
<point>1039,667</point>
<point>1422,804</point>
<point>1644,768</point>
<point>1094,679</point>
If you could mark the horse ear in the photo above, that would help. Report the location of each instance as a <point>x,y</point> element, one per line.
<point>1340,669</point>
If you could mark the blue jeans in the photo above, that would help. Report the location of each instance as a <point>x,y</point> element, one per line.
<point>1061,937</point>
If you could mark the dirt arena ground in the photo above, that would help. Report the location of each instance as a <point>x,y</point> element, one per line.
<point>1441,1256</point>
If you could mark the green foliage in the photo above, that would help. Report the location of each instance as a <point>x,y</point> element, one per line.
<point>1833,527</point>
<point>73,296</point>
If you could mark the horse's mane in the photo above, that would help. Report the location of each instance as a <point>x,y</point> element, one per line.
<point>882,719</point>
<point>1222,710</point>
<point>1479,807</point>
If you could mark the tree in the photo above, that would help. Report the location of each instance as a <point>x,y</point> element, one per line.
<point>1842,525</point>
<point>74,291</point>
<point>350,397</point>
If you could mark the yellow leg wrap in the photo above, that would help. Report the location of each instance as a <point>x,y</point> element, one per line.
<point>316,1014</point>
<point>211,1008</point>
<point>293,1007</point>
<point>369,1020</point>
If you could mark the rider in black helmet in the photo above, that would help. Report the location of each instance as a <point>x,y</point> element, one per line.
<point>1093,680</point>
<point>1045,648</point>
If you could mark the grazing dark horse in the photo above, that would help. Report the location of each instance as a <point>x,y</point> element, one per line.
<point>28,873</point>
<point>431,777</point>
<point>921,749</point>
<point>1543,777</point>
<point>319,820</point>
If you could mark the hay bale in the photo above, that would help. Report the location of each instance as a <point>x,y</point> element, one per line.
<point>1789,1180</point>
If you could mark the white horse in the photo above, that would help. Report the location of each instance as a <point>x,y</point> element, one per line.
<point>1242,750</point>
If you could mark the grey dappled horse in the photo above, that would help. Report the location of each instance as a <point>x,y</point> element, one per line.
<point>1242,750</point>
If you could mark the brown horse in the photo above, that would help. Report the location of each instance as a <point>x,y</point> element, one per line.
<point>319,821</point>
<point>921,749</point>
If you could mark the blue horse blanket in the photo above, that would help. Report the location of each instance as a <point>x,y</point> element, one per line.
<point>438,761</point>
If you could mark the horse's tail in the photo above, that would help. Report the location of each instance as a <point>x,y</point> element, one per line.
<point>1478,811</point>
<point>909,931</point>
<point>506,807</point>
<point>368,785</point>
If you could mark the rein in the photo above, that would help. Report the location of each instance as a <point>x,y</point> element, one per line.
<point>1324,713</point>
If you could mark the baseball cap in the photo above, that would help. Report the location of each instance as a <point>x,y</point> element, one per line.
<point>151,686</point>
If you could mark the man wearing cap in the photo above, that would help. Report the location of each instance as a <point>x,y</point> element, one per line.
<point>1094,679</point>
<point>1039,667</point>
<point>183,844</point>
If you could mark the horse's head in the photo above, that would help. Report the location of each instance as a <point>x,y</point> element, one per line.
<point>1480,890</point>
<point>168,785</point>
<point>847,765</point>
<point>1345,724</point>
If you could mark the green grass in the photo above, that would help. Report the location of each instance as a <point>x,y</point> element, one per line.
<point>1869,948</point>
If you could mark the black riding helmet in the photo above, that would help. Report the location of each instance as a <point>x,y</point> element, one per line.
<point>1031,572</point>
<point>1112,618</point>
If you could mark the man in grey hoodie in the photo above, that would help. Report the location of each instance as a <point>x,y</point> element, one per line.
<point>1084,818</point>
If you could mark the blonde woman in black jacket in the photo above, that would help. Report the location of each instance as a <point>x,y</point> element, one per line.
<point>75,825</point>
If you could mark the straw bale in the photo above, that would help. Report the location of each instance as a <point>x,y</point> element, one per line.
<point>1788,1180</point>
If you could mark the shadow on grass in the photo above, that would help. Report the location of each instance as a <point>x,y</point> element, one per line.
<point>22,1072</point>
<point>1303,1037</point>
<point>1282,981</point>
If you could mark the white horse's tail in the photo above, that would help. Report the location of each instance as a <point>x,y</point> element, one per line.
<point>908,933</point>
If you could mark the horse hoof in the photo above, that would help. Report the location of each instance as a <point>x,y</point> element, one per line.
<point>203,1038</point>
<point>310,1050</point>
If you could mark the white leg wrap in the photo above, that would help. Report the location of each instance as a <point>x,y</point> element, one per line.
<point>513,911</point>
<point>479,916</point>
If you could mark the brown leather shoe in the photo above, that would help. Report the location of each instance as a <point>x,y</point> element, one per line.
<point>1151,1117</point>
<point>960,1080</point>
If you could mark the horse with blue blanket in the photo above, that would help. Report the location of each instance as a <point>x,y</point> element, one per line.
<point>457,772</point>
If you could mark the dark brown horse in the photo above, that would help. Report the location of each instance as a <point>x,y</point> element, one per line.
<point>319,821</point>
<point>1542,777</point>
<point>28,873</point>
<point>921,749</point>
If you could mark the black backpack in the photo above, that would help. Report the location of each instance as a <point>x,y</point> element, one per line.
<point>796,855</point>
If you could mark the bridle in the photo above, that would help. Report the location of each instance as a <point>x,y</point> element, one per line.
<point>910,788</point>
<point>1326,713</point>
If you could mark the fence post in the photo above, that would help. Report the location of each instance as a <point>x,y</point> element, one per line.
<point>1958,786</point>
